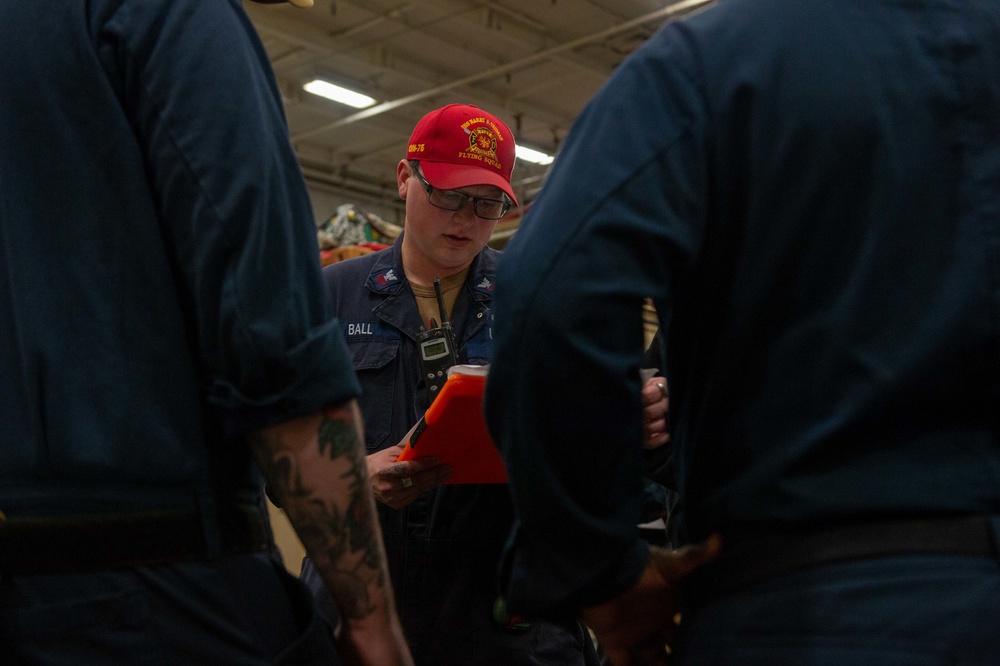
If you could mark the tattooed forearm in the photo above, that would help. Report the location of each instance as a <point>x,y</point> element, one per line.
<point>323,488</point>
<point>337,438</point>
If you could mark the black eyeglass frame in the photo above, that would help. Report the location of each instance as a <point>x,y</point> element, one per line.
<point>464,198</point>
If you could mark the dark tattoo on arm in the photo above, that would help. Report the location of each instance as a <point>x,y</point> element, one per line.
<point>338,438</point>
<point>342,538</point>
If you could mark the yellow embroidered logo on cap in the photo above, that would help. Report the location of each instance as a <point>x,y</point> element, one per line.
<point>482,144</point>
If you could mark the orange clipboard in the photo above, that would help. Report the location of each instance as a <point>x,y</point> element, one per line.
<point>454,428</point>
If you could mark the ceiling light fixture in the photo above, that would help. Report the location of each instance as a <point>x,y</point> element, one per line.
<point>532,155</point>
<point>338,94</point>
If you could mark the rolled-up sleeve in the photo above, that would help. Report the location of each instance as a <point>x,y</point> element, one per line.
<point>234,210</point>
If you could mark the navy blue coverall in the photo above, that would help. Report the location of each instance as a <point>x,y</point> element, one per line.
<point>812,189</point>
<point>444,548</point>
<point>160,296</point>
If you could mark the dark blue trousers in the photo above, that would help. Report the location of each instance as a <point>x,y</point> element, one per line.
<point>241,610</point>
<point>906,611</point>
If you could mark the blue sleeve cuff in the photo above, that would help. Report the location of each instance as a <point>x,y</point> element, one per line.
<point>319,372</point>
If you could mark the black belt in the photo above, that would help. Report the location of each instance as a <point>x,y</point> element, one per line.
<point>67,544</point>
<point>749,557</point>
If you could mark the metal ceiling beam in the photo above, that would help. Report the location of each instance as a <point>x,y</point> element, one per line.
<point>665,13</point>
<point>297,59</point>
<point>319,46</point>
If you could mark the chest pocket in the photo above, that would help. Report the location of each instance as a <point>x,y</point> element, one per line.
<point>376,363</point>
<point>479,348</point>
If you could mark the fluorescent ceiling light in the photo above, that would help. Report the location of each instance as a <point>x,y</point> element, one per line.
<point>532,155</point>
<point>338,94</point>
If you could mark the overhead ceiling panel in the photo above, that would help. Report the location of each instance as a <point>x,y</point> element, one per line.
<point>534,63</point>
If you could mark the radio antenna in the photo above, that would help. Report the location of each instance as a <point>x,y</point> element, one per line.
<point>440,297</point>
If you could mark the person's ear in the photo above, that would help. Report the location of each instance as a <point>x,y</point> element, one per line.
<point>403,176</point>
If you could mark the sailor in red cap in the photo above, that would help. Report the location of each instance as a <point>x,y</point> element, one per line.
<point>443,540</point>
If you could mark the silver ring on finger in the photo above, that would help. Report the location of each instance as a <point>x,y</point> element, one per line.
<point>406,481</point>
<point>663,389</point>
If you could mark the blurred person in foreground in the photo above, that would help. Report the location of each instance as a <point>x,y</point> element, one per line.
<point>164,327</point>
<point>812,190</point>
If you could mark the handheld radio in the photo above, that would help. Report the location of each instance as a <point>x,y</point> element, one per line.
<point>437,349</point>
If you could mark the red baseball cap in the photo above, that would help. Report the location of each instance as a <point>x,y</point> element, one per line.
<point>460,145</point>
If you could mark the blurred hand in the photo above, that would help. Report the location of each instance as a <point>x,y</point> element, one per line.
<point>397,483</point>
<point>365,643</point>
<point>636,627</point>
<point>656,405</point>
